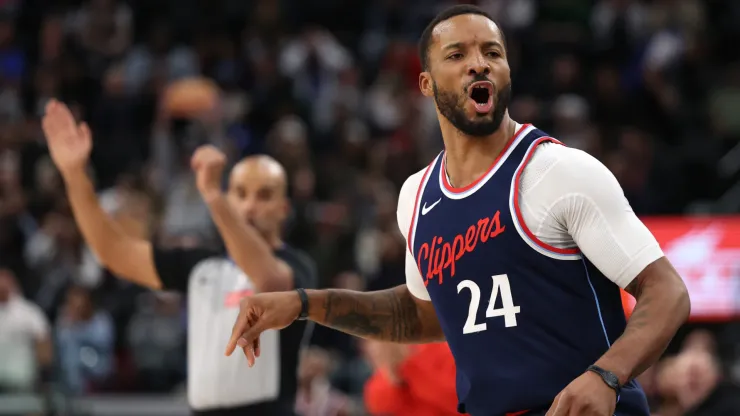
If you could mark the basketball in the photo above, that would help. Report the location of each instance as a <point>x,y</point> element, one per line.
<point>189,97</point>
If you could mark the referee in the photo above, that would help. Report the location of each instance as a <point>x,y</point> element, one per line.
<point>250,219</point>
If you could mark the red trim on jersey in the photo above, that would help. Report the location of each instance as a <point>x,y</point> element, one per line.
<point>419,191</point>
<point>517,209</point>
<point>443,170</point>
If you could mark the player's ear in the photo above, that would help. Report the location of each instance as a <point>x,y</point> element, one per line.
<point>426,84</point>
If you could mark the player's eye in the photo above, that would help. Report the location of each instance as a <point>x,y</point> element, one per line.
<point>493,54</point>
<point>455,56</point>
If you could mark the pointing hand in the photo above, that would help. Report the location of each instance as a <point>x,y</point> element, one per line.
<point>258,313</point>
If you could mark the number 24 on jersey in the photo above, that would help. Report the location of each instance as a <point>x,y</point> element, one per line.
<point>500,287</point>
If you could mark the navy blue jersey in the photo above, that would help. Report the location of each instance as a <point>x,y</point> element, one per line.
<point>523,319</point>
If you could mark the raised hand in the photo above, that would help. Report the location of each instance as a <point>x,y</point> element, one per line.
<point>208,163</point>
<point>69,143</point>
<point>258,313</point>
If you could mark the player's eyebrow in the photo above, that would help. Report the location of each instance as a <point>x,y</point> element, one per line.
<point>492,44</point>
<point>460,45</point>
<point>453,45</point>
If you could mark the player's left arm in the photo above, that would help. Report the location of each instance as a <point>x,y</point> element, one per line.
<point>662,307</point>
<point>601,222</point>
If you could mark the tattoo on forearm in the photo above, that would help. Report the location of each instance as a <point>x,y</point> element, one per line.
<point>383,315</point>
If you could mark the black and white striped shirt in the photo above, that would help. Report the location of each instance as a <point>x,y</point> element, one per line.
<point>214,285</point>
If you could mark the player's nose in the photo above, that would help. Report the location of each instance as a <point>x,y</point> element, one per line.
<point>478,65</point>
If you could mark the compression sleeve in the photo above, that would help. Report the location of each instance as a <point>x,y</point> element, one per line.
<point>405,214</point>
<point>571,199</point>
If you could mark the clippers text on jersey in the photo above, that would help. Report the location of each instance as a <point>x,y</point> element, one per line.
<point>440,256</point>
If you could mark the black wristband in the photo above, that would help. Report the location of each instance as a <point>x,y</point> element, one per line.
<point>304,304</point>
<point>610,379</point>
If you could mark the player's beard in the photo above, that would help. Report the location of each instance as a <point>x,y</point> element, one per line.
<point>452,107</point>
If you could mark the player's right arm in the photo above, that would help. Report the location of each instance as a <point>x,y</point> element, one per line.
<point>392,315</point>
<point>402,314</point>
<point>70,144</point>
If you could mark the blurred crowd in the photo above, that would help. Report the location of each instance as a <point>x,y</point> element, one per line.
<point>329,87</point>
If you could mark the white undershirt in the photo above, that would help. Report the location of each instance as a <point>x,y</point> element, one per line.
<point>568,199</point>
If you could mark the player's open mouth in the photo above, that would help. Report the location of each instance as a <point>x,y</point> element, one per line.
<point>481,93</point>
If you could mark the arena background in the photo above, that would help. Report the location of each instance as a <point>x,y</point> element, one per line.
<point>329,87</point>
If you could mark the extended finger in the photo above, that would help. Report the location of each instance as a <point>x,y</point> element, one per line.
<point>84,131</point>
<point>248,346</point>
<point>49,106</point>
<point>249,353</point>
<point>62,121</point>
<point>257,347</point>
<point>52,110</point>
<point>51,130</point>
<point>197,158</point>
<point>253,333</point>
<point>50,121</point>
<point>247,340</point>
<point>61,117</point>
<point>241,325</point>
<point>46,126</point>
<point>249,349</point>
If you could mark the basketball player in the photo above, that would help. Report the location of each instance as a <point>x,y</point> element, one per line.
<point>517,248</point>
<point>249,219</point>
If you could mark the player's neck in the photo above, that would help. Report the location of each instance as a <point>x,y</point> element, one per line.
<point>468,158</point>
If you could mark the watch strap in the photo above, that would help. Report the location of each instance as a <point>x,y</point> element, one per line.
<point>304,304</point>
<point>610,379</point>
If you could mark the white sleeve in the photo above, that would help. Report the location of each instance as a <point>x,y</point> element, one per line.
<point>592,208</point>
<point>404,215</point>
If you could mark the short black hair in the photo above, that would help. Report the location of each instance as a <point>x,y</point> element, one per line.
<point>449,13</point>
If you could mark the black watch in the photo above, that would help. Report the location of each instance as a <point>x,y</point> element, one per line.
<point>304,304</point>
<point>609,378</point>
